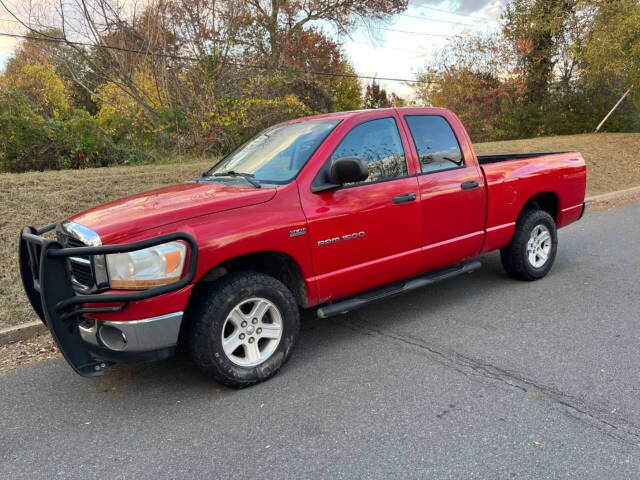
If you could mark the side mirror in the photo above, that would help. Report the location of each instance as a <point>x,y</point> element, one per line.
<point>343,170</point>
<point>348,170</point>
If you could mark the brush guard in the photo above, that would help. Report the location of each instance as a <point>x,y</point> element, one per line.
<point>48,285</point>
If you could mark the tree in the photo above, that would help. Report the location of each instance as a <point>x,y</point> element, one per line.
<point>213,48</point>
<point>611,54</point>
<point>376,97</point>
<point>312,51</point>
<point>556,67</point>
<point>535,28</point>
<point>473,75</point>
<point>271,26</point>
<point>42,87</point>
<point>65,62</point>
<point>345,92</point>
<point>397,101</point>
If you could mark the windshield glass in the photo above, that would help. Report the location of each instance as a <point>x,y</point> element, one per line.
<point>277,154</point>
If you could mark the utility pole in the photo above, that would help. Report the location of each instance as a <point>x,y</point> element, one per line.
<point>614,107</point>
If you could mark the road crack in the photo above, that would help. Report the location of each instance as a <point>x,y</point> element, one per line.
<point>599,417</point>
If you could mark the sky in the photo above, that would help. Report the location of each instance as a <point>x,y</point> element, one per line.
<point>400,55</point>
<point>380,52</point>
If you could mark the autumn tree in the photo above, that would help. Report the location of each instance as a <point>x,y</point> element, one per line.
<point>180,60</point>
<point>345,90</point>
<point>535,28</point>
<point>376,96</point>
<point>555,67</point>
<point>474,76</point>
<point>65,62</point>
<point>270,27</point>
<point>317,71</point>
<point>611,54</point>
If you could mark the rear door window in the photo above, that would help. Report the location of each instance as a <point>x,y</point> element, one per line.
<point>437,146</point>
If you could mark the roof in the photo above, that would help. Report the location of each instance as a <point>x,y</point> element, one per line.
<point>353,113</point>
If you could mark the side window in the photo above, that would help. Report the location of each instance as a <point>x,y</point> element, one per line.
<point>378,143</point>
<point>437,146</point>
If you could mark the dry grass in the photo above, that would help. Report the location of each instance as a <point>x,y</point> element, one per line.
<point>38,198</point>
<point>613,159</point>
<point>23,352</point>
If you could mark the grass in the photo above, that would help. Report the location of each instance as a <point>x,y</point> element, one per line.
<point>38,198</point>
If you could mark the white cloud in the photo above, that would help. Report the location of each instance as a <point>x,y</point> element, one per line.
<point>463,6</point>
<point>7,45</point>
<point>494,9</point>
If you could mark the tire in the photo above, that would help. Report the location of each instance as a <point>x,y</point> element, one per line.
<point>223,317</point>
<point>522,262</point>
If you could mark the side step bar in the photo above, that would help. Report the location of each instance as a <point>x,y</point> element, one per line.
<point>352,303</point>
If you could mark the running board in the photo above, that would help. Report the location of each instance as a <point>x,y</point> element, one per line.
<point>352,303</point>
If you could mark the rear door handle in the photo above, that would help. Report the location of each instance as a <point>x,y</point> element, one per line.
<point>469,185</point>
<point>404,198</point>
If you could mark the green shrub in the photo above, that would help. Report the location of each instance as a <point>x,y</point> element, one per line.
<point>29,141</point>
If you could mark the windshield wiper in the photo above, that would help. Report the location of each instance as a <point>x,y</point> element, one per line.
<point>232,173</point>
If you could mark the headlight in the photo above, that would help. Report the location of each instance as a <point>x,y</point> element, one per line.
<point>150,267</point>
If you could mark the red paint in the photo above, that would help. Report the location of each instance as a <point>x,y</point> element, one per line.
<point>166,205</point>
<point>443,226</point>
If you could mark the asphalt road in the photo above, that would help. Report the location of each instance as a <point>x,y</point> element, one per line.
<point>477,377</point>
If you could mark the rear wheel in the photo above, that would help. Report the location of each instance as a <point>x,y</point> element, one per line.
<point>244,329</point>
<point>532,250</point>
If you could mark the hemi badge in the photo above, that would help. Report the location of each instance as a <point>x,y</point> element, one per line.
<point>297,232</point>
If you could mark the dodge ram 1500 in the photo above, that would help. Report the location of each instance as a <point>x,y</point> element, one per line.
<point>331,211</point>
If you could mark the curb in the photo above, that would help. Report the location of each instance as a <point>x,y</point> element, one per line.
<point>607,197</point>
<point>24,331</point>
<point>31,329</point>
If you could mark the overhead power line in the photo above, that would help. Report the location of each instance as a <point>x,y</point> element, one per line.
<point>188,58</point>
<point>442,35</point>
<point>438,20</point>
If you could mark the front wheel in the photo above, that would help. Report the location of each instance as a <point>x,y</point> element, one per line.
<point>532,250</point>
<point>244,329</point>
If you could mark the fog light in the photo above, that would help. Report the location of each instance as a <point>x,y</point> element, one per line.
<point>113,338</point>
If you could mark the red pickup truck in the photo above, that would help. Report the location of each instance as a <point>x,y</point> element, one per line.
<point>333,211</point>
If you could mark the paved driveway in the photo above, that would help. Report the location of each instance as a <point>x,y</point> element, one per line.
<point>478,377</point>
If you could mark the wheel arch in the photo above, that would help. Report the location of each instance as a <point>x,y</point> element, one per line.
<point>277,264</point>
<point>547,201</point>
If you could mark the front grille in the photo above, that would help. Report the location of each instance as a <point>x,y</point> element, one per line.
<point>82,273</point>
<point>80,267</point>
<point>72,242</point>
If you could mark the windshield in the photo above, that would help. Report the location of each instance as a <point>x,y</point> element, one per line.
<point>277,154</point>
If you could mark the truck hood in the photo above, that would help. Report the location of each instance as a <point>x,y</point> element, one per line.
<point>134,214</point>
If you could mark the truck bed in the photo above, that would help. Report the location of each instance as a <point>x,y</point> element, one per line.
<point>556,179</point>
<point>506,157</point>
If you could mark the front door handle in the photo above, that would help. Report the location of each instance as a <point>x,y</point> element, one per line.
<point>404,198</point>
<point>469,185</point>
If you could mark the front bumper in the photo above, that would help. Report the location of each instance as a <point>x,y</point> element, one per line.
<point>132,341</point>
<point>49,287</point>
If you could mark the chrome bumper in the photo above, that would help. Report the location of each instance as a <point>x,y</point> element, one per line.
<point>136,336</point>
